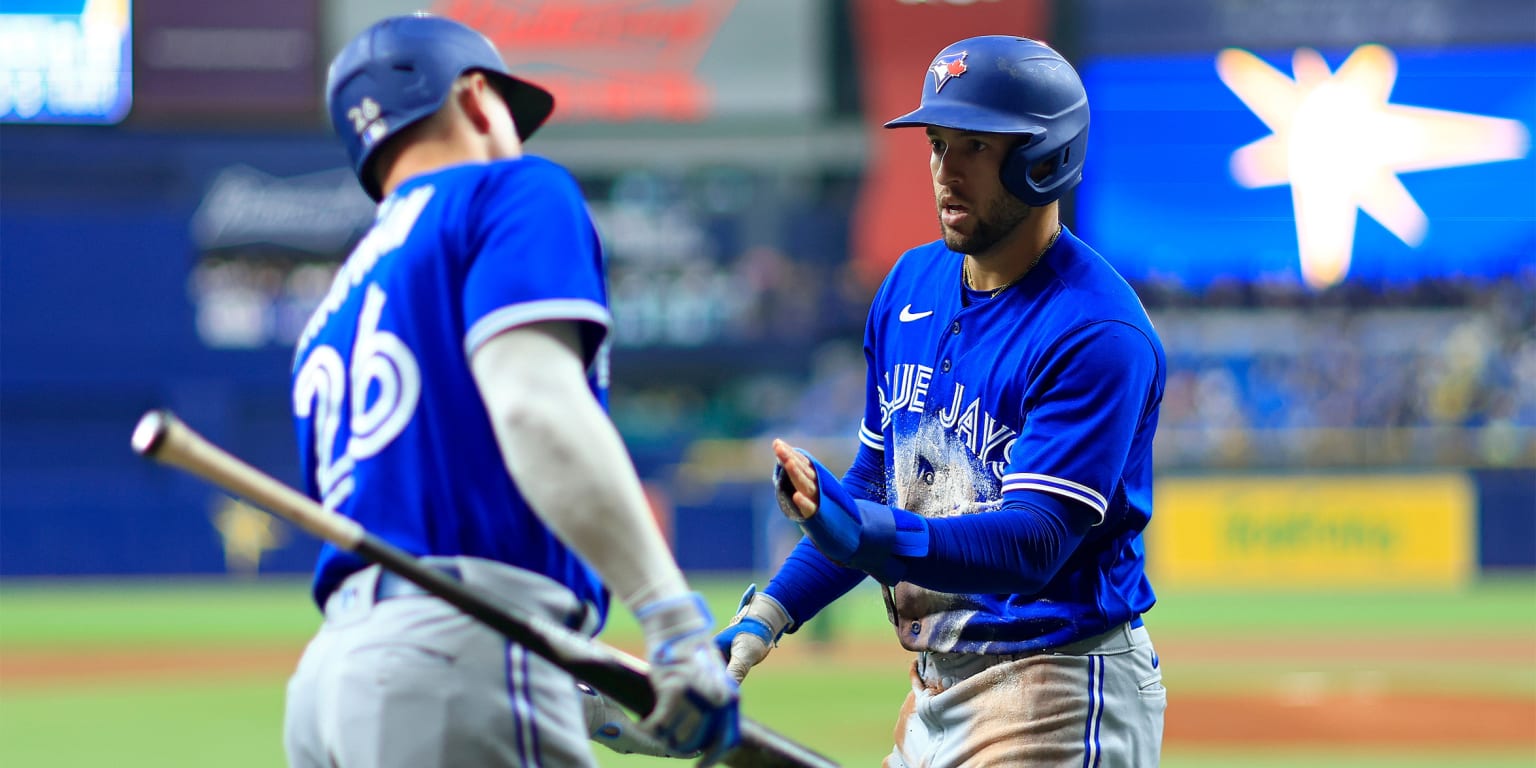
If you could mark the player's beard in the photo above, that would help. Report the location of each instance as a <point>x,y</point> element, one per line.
<point>993,222</point>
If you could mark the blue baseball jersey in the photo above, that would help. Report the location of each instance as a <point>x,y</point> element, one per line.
<point>1051,386</point>
<point>392,431</point>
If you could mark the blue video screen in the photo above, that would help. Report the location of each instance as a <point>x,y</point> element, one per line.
<point>1408,164</point>
<point>65,61</point>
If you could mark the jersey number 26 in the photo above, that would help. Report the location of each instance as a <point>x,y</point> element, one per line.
<point>382,365</point>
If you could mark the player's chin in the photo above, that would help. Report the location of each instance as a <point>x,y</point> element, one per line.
<point>957,242</point>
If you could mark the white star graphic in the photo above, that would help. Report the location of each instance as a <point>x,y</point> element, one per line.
<point>1340,145</point>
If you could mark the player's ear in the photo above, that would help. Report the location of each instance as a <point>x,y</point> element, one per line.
<point>471,93</point>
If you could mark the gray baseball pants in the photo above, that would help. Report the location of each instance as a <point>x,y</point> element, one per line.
<point>399,679</point>
<point>1097,703</point>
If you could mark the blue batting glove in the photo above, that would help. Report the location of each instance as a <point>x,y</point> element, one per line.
<point>696,700</point>
<point>758,625</point>
<point>611,726</point>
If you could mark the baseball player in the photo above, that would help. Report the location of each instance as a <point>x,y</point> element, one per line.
<point>1004,469</point>
<point>449,394</point>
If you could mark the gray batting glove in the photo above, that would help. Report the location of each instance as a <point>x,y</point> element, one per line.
<point>611,726</point>
<point>696,701</point>
<point>758,625</point>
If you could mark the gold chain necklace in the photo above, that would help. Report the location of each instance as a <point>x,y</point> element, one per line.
<point>965,268</point>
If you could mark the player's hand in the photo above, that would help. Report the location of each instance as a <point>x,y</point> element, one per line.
<point>696,700</point>
<point>856,533</point>
<point>611,726</point>
<point>758,625</point>
<point>795,479</point>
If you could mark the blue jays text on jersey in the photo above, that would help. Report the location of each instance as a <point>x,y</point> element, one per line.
<point>986,437</point>
<point>1052,386</point>
<point>392,431</point>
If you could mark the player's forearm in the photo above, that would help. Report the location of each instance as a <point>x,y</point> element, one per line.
<point>865,478</point>
<point>807,582</point>
<point>1015,550</point>
<point>561,449</point>
<point>571,466</point>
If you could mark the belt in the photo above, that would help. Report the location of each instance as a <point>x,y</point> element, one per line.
<point>391,585</point>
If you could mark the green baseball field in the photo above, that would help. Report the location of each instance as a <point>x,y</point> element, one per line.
<point>166,673</point>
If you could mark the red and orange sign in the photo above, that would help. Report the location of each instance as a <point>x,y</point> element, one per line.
<point>609,60</point>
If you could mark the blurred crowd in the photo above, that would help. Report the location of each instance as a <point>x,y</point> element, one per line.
<point>737,315</point>
<point>1439,374</point>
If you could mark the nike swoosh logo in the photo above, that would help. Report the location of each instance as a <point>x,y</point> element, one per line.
<point>907,315</point>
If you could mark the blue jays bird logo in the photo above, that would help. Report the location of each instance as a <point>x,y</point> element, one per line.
<point>946,67</point>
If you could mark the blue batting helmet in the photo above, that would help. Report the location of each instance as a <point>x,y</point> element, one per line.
<point>401,69</point>
<point>1017,86</point>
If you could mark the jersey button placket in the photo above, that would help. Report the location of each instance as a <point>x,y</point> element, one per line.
<point>945,366</point>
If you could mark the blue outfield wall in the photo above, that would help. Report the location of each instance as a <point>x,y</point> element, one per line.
<point>76,501</point>
<point>1506,507</point>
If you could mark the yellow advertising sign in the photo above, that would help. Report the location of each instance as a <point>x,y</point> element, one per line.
<point>1313,531</point>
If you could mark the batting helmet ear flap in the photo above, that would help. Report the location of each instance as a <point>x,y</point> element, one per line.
<point>1063,167</point>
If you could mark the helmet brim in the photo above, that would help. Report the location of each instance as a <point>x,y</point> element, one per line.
<point>964,117</point>
<point>530,105</point>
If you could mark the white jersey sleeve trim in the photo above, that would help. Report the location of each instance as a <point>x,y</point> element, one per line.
<point>874,440</point>
<point>1029,481</point>
<point>533,312</point>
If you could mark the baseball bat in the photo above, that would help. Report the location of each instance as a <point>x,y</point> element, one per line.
<point>161,436</point>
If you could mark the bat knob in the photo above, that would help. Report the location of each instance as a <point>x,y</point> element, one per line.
<point>150,432</point>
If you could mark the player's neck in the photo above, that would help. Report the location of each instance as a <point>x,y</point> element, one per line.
<point>1013,257</point>
<point>431,156</point>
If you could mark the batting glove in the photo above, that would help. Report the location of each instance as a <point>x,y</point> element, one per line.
<point>696,700</point>
<point>611,726</point>
<point>758,625</point>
